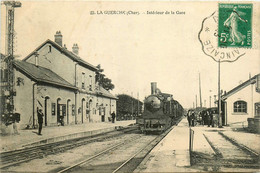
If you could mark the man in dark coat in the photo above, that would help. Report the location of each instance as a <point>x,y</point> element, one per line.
<point>189,118</point>
<point>40,120</point>
<point>205,118</point>
<point>192,119</point>
<point>113,117</point>
<point>208,118</point>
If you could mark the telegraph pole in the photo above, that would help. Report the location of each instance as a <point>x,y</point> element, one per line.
<point>210,101</point>
<point>219,97</point>
<point>196,102</point>
<point>200,91</point>
<point>9,51</point>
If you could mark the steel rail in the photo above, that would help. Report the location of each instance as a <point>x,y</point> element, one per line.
<point>243,147</point>
<point>253,156</point>
<point>27,154</point>
<point>123,164</point>
<point>96,155</point>
<point>159,138</point>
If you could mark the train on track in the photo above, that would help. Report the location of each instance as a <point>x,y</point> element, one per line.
<point>161,111</point>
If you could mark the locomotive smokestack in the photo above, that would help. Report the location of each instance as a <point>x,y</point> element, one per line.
<point>153,87</point>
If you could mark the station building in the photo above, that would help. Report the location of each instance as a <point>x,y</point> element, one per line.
<point>243,102</point>
<point>63,85</point>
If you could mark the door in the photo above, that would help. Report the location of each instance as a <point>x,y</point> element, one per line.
<point>61,113</point>
<point>103,113</point>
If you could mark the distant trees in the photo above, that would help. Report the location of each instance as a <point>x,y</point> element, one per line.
<point>127,107</point>
<point>103,81</point>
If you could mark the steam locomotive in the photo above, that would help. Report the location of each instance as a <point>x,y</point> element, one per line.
<point>161,111</point>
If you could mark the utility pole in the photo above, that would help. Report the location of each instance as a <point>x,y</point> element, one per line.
<point>219,97</point>
<point>210,101</point>
<point>196,101</point>
<point>9,51</point>
<point>252,95</point>
<point>200,91</point>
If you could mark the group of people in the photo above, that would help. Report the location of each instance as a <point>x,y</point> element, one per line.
<point>206,118</point>
<point>191,118</point>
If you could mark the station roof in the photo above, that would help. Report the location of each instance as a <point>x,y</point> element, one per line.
<point>41,74</point>
<point>104,93</point>
<point>66,52</point>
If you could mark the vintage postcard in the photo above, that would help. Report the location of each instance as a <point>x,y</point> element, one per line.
<point>135,86</point>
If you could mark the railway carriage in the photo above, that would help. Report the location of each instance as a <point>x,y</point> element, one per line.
<point>161,111</point>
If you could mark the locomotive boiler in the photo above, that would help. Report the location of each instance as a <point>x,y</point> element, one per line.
<point>161,111</point>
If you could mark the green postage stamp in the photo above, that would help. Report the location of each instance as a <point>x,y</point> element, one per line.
<point>235,25</point>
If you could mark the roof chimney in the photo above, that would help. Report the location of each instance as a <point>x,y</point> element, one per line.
<point>58,38</point>
<point>75,49</point>
<point>153,87</point>
<point>36,54</point>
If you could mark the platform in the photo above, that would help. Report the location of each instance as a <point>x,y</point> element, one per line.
<point>30,137</point>
<point>172,153</point>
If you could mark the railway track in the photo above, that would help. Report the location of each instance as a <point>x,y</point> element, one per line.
<point>112,160</point>
<point>12,158</point>
<point>228,153</point>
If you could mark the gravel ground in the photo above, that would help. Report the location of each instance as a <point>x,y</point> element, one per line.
<point>113,159</point>
<point>228,157</point>
<point>53,163</point>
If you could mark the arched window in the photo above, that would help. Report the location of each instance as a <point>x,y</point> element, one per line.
<point>240,106</point>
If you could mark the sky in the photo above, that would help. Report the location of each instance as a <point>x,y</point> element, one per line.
<point>135,50</point>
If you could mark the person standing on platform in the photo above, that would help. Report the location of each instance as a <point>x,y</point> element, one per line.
<point>192,119</point>
<point>211,119</point>
<point>188,118</point>
<point>202,118</point>
<point>40,120</point>
<point>208,118</point>
<point>205,117</point>
<point>113,117</point>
